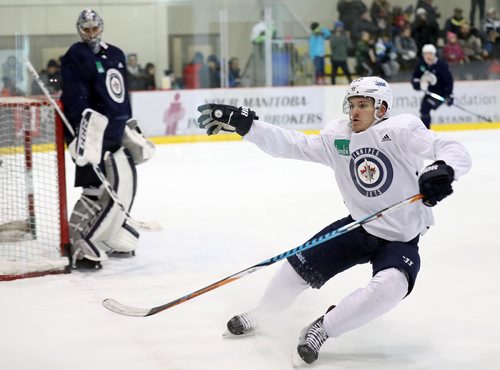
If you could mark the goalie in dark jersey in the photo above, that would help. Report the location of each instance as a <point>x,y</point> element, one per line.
<point>96,103</point>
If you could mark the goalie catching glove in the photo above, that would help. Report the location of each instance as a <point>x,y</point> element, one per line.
<point>435,182</point>
<point>216,117</point>
<point>86,147</point>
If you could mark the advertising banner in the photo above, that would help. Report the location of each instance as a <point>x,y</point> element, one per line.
<point>174,112</point>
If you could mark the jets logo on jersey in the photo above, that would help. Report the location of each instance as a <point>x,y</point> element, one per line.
<point>115,85</point>
<point>371,171</point>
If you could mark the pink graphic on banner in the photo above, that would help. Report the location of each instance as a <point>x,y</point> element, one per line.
<point>173,115</point>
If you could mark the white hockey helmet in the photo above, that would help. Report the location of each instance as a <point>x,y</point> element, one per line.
<point>373,87</point>
<point>89,26</point>
<point>429,48</point>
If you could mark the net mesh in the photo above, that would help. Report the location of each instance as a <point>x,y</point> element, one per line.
<point>30,231</point>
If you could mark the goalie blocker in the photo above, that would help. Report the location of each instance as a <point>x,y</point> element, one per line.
<point>86,147</point>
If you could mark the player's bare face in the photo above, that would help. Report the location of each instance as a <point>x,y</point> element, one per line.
<point>429,58</point>
<point>361,111</point>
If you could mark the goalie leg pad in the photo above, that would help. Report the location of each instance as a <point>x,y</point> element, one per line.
<point>121,174</point>
<point>85,211</point>
<point>99,222</point>
<point>124,241</point>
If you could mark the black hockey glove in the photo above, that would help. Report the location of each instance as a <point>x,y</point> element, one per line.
<point>435,182</point>
<point>416,84</point>
<point>216,117</point>
<point>449,100</point>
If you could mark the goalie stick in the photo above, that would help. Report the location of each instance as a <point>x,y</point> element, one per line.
<point>440,98</point>
<point>120,308</point>
<point>148,226</point>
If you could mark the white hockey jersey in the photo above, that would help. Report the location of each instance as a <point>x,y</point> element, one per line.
<point>374,168</point>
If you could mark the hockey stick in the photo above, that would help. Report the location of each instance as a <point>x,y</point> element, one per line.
<point>149,226</point>
<point>440,98</point>
<point>123,309</point>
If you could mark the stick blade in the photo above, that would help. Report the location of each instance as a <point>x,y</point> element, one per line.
<point>122,309</point>
<point>146,225</point>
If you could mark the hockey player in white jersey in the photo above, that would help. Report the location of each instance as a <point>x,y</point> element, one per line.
<point>378,160</point>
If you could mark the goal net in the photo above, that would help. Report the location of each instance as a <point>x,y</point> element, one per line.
<point>33,212</point>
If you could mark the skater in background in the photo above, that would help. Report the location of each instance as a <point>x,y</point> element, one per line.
<point>378,160</point>
<point>96,103</point>
<point>432,75</point>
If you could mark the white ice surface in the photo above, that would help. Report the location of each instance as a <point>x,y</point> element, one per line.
<point>227,206</point>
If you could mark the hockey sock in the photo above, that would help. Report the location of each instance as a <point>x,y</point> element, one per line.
<point>385,290</point>
<point>283,289</point>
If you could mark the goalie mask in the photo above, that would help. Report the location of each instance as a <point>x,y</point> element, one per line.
<point>373,87</point>
<point>89,26</point>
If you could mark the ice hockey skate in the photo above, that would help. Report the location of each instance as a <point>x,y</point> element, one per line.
<point>241,325</point>
<point>311,339</point>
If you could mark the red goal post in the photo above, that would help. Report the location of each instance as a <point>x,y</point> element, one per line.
<point>34,234</point>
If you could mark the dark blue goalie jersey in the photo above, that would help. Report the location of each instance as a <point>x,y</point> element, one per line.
<point>99,82</point>
<point>439,72</point>
<point>96,81</point>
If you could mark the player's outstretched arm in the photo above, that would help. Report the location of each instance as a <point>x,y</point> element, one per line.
<point>217,117</point>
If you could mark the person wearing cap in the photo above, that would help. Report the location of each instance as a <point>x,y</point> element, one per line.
<point>340,43</point>
<point>317,50</point>
<point>51,77</point>
<point>424,29</point>
<point>454,23</point>
<point>432,75</point>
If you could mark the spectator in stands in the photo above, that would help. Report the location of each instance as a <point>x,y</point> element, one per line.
<point>135,74</point>
<point>490,22</point>
<point>452,52</point>
<point>213,71</point>
<point>350,12</point>
<point>454,55</point>
<point>365,55</point>
<point>491,45</point>
<point>406,49</point>
<point>399,20</point>
<point>472,46</point>
<point>51,78</point>
<point>258,38</point>
<point>149,77</point>
<point>364,24</point>
<point>386,56</point>
<point>491,49</point>
<point>234,72</point>
<point>195,73</point>
<point>471,43</point>
<point>424,30</point>
<point>9,88</point>
<point>317,51</point>
<point>454,23</point>
<point>12,69</point>
<point>431,10</point>
<point>380,13</point>
<point>473,5</point>
<point>340,43</point>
